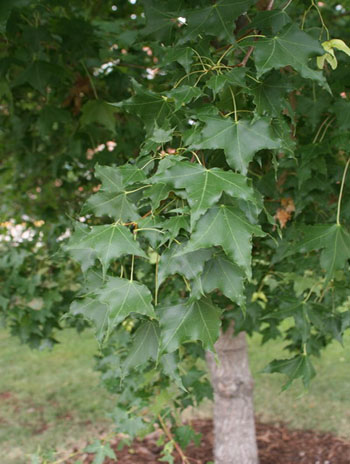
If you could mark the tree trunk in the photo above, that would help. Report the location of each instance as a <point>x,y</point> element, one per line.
<point>234,426</point>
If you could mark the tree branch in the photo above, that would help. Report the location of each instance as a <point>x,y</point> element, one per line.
<point>250,49</point>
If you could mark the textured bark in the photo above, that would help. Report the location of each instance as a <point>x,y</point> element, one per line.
<point>234,426</point>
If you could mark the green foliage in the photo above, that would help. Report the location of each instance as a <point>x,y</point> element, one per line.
<point>222,155</point>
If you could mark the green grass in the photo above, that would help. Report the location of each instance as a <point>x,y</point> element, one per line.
<point>325,406</point>
<point>49,399</point>
<point>52,399</point>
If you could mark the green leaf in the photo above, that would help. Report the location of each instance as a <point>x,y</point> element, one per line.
<point>342,111</point>
<point>225,226</point>
<point>240,140</point>
<point>98,111</point>
<point>204,186</point>
<point>270,21</point>
<point>161,18</point>
<point>235,77</point>
<point>108,242</point>
<point>299,366</point>
<point>175,224</point>
<point>101,451</point>
<point>292,47</point>
<point>191,321</point>
<point>217,19</point>
<point>184,95</point>
<point>185,434</point>
<point>189,265</point>
<point>124,297</point>
<point>39,74</point>
<point>117,206</point>
<point>222,274</point>
<point>116,179</point>
<point>85,256</point>
<point>268,95</point>
<point>150,107</point>
<point>161,135</point>
<point>93,311</point>
<point>333,239</point>
<point>144,346</point>
<point>184,56</point>
<point>157,193</point>
<point>169,363</point>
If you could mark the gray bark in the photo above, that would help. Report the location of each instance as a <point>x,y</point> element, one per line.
<point>234,426</point>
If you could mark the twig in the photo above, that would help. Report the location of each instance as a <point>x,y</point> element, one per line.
<point>170,437</point>
<point>250,50</point>
<point>270,5</point>
<point>247,56</point>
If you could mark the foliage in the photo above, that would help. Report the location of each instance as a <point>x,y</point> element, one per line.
<point>224,199</point>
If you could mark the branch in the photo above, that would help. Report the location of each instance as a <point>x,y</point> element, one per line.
<point>270,5</point>
<point>250,49</point>
<point>168,434</point>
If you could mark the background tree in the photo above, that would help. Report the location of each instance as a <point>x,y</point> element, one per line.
<point>222,206</point>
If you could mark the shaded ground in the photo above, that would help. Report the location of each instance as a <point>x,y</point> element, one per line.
<point>277,445</point>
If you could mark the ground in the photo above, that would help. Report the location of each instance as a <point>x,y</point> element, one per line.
<point>53,401</point>
<point>277,445</point>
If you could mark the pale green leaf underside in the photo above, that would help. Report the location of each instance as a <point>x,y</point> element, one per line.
<point>189,265</point>
<point>144,346</point>
<point>95,312</point>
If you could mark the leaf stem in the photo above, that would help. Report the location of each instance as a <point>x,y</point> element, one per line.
<point>234,105</point>
<point>136,190</point>
<point>132,268</point>
<point>287,5</point>
<point>341,191</point>
<point>156,282</point>
<point>90,79</point>
<point>326,128</point>
<point>320,128</point>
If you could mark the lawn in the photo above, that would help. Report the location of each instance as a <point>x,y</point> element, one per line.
<point>52,399</point>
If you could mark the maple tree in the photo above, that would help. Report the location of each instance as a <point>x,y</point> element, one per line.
<point>222,203</point>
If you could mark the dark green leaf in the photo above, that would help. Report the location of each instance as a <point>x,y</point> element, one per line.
<point>299,366</point>
<point>98,111</point>
<point>217,19</point>
<point>191,321</point>
<point>292,47</point>
<point>220,273</point>
<point>225,226</point>
<point>333,239</point>
<point>204,186</point>
<point>124,297</point>
<point>108,242</point>
<point>240,140</point>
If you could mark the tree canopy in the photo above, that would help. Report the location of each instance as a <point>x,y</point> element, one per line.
<point>201,150</point>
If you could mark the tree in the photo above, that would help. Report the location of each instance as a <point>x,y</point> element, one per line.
<point>223,208</point>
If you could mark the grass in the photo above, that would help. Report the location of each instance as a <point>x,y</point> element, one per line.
<point>52,399</point>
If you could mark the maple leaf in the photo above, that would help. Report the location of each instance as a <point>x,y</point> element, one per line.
<point>240,140</point>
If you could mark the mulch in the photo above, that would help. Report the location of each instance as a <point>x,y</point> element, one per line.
<point>277,445</point>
